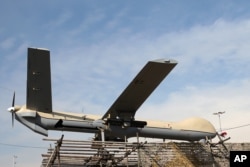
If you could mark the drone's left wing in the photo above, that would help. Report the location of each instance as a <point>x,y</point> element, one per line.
<point>139,89</point>
<point>39,80</point>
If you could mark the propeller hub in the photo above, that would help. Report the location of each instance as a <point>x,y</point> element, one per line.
<point>11,109</point>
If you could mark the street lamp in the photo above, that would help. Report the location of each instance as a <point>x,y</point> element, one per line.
<point>14,160</point>
<point>219,113</point>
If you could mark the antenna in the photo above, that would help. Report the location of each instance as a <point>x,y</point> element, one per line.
<point>219,113</point>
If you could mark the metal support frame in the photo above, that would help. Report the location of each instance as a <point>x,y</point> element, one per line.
<point>92,153</point>
<point>55,153</point>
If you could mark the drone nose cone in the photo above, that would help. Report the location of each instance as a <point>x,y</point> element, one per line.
<point>198,124</point>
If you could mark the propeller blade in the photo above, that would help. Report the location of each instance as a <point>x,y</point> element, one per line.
<point>13,100</point>
<point>13,109</point>
<point>12,114</point>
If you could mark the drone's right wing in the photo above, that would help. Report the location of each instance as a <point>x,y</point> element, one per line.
<point>139,89</point>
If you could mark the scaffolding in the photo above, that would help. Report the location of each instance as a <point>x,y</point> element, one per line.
<point>76,153</point>
<point>90,153</point>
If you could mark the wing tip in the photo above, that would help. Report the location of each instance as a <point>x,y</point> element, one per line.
<point>45,49</point>
<point>167,61</point>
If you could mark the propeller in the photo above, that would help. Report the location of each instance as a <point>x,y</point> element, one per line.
<point>12,109</point>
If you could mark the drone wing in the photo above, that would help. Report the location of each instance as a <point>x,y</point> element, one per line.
<point>139,89</point>
<point>38,95</point>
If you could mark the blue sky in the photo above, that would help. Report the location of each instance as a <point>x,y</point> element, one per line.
<point>97,47</point>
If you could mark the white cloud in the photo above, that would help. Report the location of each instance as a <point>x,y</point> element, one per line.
<point>209,45</point>
<point>62,19</point>
<point>8,43</point>
<point>87,23</point>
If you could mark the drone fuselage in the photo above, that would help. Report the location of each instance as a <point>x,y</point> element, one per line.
<point>192,129</point>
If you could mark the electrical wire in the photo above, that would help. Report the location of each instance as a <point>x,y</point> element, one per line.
<point>236,127</point>
<point>14,145</point>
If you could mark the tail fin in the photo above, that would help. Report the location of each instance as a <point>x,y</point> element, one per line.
<point>38,95</point>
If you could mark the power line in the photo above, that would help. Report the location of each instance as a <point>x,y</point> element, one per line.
<point>241,126</point>
<point>14,145</point>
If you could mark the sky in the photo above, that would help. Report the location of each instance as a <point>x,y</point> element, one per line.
<point>97,48</point>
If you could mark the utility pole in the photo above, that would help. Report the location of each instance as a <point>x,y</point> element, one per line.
<point>219,113</point>
<point>14,160</point>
